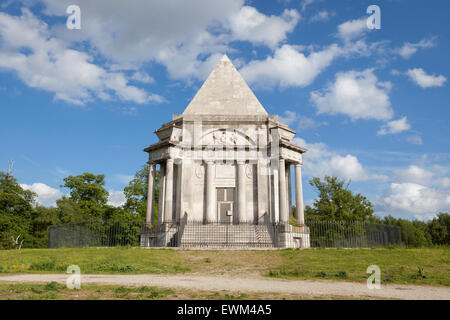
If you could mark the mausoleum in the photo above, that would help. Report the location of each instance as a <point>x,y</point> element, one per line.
<point>225,168</point>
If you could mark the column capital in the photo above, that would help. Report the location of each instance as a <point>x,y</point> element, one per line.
<point>240,162</point>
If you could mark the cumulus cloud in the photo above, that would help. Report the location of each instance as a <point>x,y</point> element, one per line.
<point>298,121</point>
<point>45,62</point>
<point>46,195</point>
<point>185,40</point>
<point>413,198</point>
<point>251,25</point>
<point>424,80</point>
<point>414,139</point>
<point>443,182</point>
<point>320,161</point>
<point>352,29</point>
<point>116,198</point>
<point>288,67</point>
<point>359,95</point>
<point>409,49</point>
<point>142,77</point>
<point>306,3</point>
<point>322,15</point>
<point>395,126</point>
<point>414,174</point>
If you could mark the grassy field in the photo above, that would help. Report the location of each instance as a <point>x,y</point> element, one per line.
<point>55,291</point>
<point>408,266</point>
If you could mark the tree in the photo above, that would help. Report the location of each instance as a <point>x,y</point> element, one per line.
<point>337,202</point>
<point>42,219</point>
<point>439,229</point>
<point>16,207</point>
<point>136,192</point>
<point>413,233</point>
<point>87,187</point>
<point>87,200</point>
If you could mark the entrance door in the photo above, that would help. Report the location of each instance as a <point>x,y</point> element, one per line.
<point>225,204</point>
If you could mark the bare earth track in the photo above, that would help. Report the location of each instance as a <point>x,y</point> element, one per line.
<point>249,284</point>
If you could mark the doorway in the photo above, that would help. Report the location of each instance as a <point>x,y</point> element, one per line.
<point>225,204</point>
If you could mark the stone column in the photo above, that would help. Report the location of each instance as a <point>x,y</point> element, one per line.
<point>150,218</point>
<point>289,188</point>
<point>169,191</point>
<point>210,193</point>
<point>178,192</point>
<point>263,192</point>
<point>242,212</point>
<point>162,189</point>
<point>300,215</point>
<point>275,190</point>
<point>283,193</point>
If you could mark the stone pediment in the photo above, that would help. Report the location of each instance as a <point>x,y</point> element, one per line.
<point>225,92</point>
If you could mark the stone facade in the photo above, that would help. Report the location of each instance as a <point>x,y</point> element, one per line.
<point>226,161</point>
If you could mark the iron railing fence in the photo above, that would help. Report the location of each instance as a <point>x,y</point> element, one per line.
<point>352,234</point>
<point>328,234</point>
<point>95,233</point>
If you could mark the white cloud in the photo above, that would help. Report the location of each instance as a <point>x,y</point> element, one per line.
<point>322,15</point>
<point>142,77</point>
<point>138,31</point>
<point>412,198</point>
<point>45,62</point>
<point>288,67</point>
<point>424,80</point>
<point>319,161</point>
<point>414,139</point>
<point>395,126</point>
<point>306,3</point>
<point>357,94</point>
<point>46,195</point>
<point>353,29</point>
<point>175,34</point>
<point>298,121</point>
<point>409,49</point>
<point>116,198</point>
<point>251,25</point>
<point>414,174</point>
<point>443,182</point>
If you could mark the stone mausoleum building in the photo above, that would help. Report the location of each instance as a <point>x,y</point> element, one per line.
<point>225,168</point>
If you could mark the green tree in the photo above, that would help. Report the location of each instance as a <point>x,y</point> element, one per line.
<point>87,187</point>
<point>87,199</point>
<point>413,234</point>
<point>42,219</point>
<point>136,192</point>
<point>337,202</point>
<point>16,207</point>
<point>439,229</point>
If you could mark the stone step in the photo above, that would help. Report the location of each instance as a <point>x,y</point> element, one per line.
<point>226,235</point>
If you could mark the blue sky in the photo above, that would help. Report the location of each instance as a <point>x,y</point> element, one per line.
<point>371,106</point>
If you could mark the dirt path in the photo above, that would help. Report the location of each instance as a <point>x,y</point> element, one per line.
<point>249,284</point>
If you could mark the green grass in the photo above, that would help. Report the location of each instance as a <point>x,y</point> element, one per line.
<point>91,260</point>
<point>413,266</point>
<point>55,291</point>
<point>398,265</point>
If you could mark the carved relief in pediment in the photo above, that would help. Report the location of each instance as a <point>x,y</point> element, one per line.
<point>224,137</point>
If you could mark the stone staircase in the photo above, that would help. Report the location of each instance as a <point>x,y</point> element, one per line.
<point>226,236</point>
